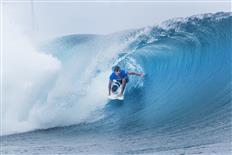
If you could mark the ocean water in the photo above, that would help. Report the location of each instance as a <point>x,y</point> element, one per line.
<point>181,106</point>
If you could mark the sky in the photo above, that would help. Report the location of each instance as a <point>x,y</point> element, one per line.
<point>57,18</point>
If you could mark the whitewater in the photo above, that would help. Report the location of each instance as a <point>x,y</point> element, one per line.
<point>55,95</point>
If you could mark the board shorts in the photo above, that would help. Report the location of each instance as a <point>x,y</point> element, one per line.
<point>117,84</point>
<point>127,80</point>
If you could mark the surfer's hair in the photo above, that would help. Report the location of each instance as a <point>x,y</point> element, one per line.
<point>117,68</point>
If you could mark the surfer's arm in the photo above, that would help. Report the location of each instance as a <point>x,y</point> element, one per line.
<point>135,73</point>
<point>109,86</point>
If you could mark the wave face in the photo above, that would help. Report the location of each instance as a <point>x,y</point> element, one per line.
<point>182,105</point>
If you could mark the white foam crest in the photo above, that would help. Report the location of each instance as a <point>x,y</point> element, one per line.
<point>24,70</point>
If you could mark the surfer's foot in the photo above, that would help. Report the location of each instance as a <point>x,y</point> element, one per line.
<point>120,95</point>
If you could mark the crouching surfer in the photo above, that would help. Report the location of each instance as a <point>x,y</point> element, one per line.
<point>119,77</point>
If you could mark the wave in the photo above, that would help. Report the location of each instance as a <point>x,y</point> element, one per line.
<point>186,88</point>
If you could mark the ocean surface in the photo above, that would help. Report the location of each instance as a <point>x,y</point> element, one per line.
<point>182,105</point>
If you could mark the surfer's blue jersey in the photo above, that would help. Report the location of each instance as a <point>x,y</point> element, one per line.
<point>123,74</point>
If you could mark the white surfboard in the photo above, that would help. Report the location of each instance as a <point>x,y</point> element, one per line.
<point>113,97</point>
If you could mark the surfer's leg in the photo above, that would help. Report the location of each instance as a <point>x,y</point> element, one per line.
<point>124,81</point>
<point>127,79</point>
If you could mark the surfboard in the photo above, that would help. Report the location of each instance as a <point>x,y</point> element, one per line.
<point>116,97</point>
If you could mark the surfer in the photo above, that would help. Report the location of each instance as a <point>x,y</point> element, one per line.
<point>121,78</point>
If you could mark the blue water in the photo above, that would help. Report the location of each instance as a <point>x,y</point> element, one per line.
<point>182,105</point>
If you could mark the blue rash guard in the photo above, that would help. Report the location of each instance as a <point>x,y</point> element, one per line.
<point>123,74</point>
